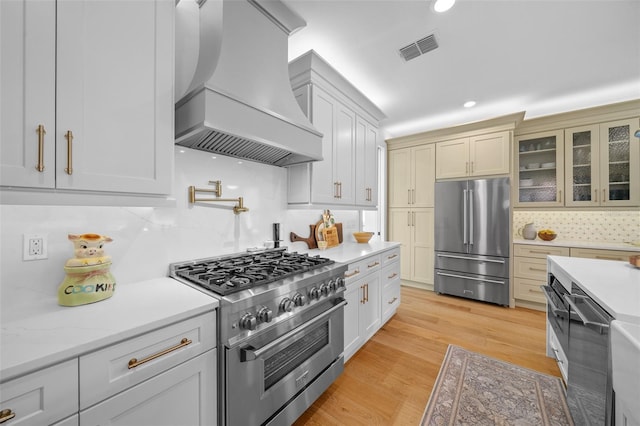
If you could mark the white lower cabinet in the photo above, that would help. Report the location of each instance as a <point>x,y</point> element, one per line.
<point>184,395</point>
<point>139,380</point>
<point>362,313</point>
<point>43,397</point>
<point>163,377</point>
<point>373,296</point>
<point>390,284</point>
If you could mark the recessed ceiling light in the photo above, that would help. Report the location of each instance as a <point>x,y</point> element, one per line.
<point>443,5</point>
<point>469,104</point>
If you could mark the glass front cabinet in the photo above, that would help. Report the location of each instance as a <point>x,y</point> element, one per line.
<point>540,168</point>
<point>602,164</point>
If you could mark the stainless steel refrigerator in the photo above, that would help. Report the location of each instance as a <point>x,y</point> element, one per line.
<point>472,239</point>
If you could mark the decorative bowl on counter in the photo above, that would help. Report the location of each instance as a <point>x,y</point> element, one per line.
<point>362,237</point>
<point>547,235</point>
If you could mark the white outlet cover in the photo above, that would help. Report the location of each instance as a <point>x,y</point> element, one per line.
<point>25,247</point>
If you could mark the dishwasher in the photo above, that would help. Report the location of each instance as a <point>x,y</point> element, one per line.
<point>589,388</point>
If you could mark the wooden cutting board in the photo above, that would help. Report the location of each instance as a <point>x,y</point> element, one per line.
<point>310,240</point>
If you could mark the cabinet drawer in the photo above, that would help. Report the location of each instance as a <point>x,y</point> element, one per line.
<point>534,269</point>
<point>603,254</point>
<point>390,256</point>
<point>539,251</point>
<point>185,395</point>
<point>42,397</point>
<point>106,372</point>
<point>525,289</point>
<point>362,267</point>
<point>389,274</point>
<point>390,300</point>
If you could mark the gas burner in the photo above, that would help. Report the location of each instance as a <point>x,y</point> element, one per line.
<point>228,275</point>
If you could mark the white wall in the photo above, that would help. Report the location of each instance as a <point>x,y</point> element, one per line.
<point>147,239</point>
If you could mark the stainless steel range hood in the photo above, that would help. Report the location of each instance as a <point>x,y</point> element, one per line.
<point>246,109</point>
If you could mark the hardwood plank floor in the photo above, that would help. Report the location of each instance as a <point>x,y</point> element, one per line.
<point>388,382</point>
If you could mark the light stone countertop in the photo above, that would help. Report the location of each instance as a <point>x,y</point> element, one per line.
<point>347,252</point>
<point>614,285</point>
<point>58,333</point>
<point>579,244</point>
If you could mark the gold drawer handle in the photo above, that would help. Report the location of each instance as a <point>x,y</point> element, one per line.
<point>356,272</point>
<point>390,302</point>
<point>392,256</point>
<point>133,362</point>
<point>392,276</point>
<point>531,290</point>
<point>537,269</point>
<point>539,252</point>
<point>373,265</point>
<point>6,415</point>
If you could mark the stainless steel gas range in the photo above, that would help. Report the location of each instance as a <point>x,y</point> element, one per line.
<point>280,330</point>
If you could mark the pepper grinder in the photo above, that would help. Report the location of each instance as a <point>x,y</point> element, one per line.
<point>276,235</point>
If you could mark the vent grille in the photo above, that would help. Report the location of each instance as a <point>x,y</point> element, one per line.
<point>234,146</point>
<point>420,47</point>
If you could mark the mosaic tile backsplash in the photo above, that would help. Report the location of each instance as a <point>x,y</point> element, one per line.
<point>603,226</point>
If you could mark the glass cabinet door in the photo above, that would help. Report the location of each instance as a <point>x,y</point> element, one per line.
<point>619,163</point>
<point>540,165</point>
<point>581,158</point>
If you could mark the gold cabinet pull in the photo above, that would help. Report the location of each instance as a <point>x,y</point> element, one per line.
<point>560,196</point>
<point>391,256</point>
<point>608,258</point>
<point>392,276</point>
<point>41,132</point>
<point>356,272</point>
<point>366,292</point>
<point>373,265</point>
<point>6,415</point>
<point>390,302</point>
<point>362,298</point>
<point>595,195</point>
<point>133,362</point>
<point>537,269</point>
<point>604,195</point>
<point>69,168</point>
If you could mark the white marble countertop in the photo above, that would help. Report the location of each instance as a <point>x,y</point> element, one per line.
<point>58,333</point>
<point>599,245</point>
<point>613,285</point>
<point>346,252</point>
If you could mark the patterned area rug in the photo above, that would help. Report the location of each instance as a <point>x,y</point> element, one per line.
<point>472,389</point>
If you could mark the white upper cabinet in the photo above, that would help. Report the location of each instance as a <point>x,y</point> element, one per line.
<point>98,77</point>
<point>348,174</point>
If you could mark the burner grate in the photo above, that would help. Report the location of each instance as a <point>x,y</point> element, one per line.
<point>229,275</point>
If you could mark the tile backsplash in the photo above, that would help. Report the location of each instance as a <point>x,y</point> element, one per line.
<point>614,226</point>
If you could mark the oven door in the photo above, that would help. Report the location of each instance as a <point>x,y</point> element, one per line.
<point>266,376</point>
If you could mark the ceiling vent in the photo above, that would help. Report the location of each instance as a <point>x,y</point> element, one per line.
<point>419,47</point>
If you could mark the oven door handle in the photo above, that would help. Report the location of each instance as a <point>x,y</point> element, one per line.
<point>601,327</point>
<point>250,353</point>
<point>555,310</point>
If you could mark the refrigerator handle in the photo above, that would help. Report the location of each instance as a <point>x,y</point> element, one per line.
<point>464,216</point>
<point>471,217</point>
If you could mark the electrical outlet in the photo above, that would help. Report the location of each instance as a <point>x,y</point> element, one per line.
<point>34,247</point>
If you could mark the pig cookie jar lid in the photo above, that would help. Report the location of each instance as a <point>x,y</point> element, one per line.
<point>86,284</point>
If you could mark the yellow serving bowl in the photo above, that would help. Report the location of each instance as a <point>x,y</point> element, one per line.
<point>362,237</point>
<point>547,236</point>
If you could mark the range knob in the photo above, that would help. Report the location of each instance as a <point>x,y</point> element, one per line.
<point>286,305</point>
<point>299,299</point>
<point>265,314</point>
<point>248,322</point>
<point>333,285</point>
<point>339,282</point>
<point>324,289</point>
<point>314,293</point>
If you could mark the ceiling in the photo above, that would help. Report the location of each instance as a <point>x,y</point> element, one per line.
<point>542,57</point>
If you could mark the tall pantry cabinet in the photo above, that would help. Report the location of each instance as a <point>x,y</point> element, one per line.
<point>87,95</point>
<point>411,188</point>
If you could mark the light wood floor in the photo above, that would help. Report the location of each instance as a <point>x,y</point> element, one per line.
<point>389,380</point>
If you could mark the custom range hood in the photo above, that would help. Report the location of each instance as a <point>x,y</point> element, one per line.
<point>245,107</point>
